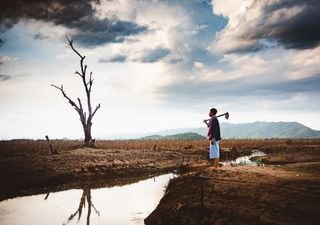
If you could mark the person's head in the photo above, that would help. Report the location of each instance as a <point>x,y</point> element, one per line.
<point>213,112</point>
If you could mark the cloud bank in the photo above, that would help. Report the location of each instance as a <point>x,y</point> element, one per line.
<point>77,15</point>
<point>224,48</point>
<point>255,25</point>
<point>155,57</point>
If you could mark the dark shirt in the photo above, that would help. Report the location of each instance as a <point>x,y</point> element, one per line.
<point>215,129</point>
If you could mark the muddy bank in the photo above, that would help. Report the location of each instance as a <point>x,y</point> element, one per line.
<point>25,174</point>
<point>284,191</point>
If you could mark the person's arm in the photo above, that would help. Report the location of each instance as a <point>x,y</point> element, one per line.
<point>206,122</point>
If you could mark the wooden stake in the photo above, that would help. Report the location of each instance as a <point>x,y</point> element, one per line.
<point>52,150</point>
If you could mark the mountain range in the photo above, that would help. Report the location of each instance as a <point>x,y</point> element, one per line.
<point>256,130</point>
<point>180,136</point>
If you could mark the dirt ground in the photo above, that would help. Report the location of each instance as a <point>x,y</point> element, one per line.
<point>284,190</point>
<point>27,168</point>
<point>28,174</point>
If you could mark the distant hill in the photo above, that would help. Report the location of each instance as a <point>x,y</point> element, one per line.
<point>181,136</point>
<point>252,130</point>
<point>268,130</point>
<point>258,130</point>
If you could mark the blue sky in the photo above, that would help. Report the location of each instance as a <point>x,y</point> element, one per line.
<point>158,64</point>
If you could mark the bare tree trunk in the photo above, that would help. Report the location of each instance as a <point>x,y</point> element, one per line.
<point>87,134</point>
<point>87,84</point>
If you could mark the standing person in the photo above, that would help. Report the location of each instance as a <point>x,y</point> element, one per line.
<point>214,136</point>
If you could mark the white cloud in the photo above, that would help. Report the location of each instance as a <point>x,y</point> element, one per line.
<point>7,59</point>
<point>122,9</point>
<point>273,65</point>
<point>303,63</point>
<point>231,9</point>
<point>240,19</point>
<point>169,27</point>
<point>235,67</point>
<point>258,80</point>
<point>198,65</point>
<point>250,21</point>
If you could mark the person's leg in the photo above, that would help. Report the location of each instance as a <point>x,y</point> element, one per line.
<point>216,162</point>
<point>211,159</point>
<point>214,153</point>
<point>218,152</point>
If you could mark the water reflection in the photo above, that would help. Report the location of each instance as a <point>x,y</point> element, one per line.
<point>128,204</point>
<point>86,197</point>
<point>246,160</point>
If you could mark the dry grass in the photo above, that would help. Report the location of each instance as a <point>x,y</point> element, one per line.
<point>24,147</point>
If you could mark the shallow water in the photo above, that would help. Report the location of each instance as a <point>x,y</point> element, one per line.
<point>246,160</point>
<point>124,205</point>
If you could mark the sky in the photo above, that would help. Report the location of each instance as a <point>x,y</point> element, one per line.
<point>157,64</point>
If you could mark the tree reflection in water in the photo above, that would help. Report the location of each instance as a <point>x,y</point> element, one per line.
<point>86,197</point>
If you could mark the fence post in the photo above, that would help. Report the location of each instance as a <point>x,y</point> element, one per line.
<point>52,150</point>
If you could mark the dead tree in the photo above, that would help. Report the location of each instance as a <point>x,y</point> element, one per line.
<point>85,117</point>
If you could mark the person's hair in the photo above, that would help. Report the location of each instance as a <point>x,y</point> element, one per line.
<point>214,110</point>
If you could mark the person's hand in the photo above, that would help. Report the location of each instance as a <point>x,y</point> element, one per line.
<point>212,141</point>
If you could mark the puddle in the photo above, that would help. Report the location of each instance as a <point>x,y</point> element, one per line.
<point>246,160</point>
<point>125,205</point>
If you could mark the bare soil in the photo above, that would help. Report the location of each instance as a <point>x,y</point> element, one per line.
<point>285,190</point>
<point>26,174</point>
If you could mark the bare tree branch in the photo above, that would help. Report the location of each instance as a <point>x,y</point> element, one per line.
<point>90,82</point>
<point>95,209</point>
<point>85,69</point>
<point>79,100</point>
<point>71,45</point>
<point>96,109</point>
<point>78,74</point>
<point>65,95</point>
